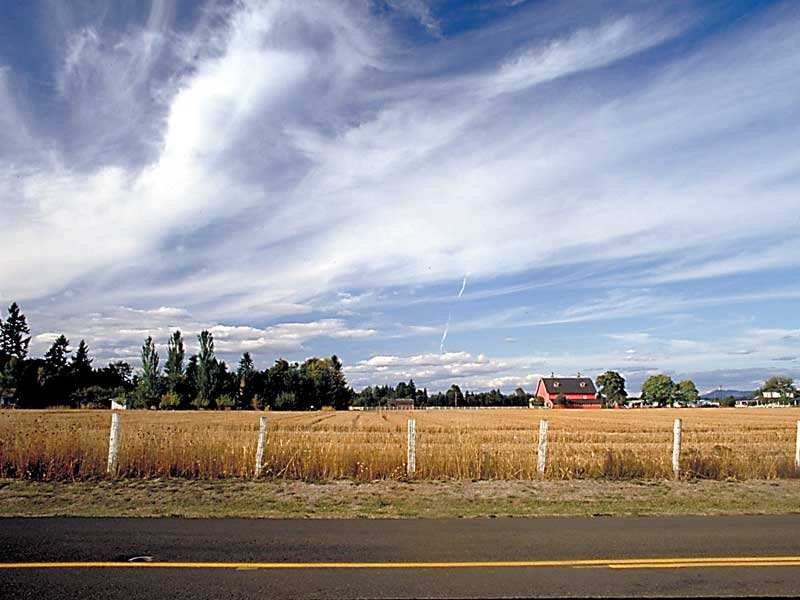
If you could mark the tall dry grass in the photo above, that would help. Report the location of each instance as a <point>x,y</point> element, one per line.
<point>496,444</point>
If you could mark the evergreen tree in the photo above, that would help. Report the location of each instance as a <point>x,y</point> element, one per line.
<point>55,359</point>
<point>81,365</point>
<point>14,334</point>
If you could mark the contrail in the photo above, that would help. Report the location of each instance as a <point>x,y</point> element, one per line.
<point>463,287</point>
<point>444,335</point>
<point>450,315</point>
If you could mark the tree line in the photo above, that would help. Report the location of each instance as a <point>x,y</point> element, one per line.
<point>202,381</point>
<point>657,390</point>
<point>381,396</point>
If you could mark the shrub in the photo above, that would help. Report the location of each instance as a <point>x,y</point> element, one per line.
<point>225,401</point>
<point>170,401</point>
<point>285,401</point>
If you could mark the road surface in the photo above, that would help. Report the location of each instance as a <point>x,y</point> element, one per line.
<point>238,558</point>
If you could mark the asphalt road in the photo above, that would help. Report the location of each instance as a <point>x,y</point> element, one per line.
<point>235,558</point>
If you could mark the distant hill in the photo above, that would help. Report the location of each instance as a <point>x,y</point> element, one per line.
<point>720,394</point>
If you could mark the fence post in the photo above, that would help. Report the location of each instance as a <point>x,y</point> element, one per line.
<point>113,444</point>
<point>541,458</point>
<point>262,434</point>
<point>797,449</point>
<point>411,458</point>
<point>676,449</point>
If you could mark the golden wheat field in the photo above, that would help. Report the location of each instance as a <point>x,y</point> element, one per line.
<point>452,444</point>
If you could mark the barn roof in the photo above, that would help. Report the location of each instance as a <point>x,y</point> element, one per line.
<point>569,385</point>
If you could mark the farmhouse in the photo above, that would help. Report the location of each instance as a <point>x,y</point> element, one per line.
<point>568,392</point>
<point>401,403</point>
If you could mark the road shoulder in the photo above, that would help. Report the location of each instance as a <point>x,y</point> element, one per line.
<point>393,499</point>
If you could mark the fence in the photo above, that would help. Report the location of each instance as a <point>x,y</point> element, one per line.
<point>459,408</point>
<point>542,461</point>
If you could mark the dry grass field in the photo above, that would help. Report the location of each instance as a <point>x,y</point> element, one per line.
<point>366,446</point>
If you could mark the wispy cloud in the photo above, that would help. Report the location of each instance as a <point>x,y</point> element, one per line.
<point>258,161</point>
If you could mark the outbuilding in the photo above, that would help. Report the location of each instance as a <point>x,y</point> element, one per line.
<point>568,392</point>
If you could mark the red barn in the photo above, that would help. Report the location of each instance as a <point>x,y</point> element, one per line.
<point>576,392</point>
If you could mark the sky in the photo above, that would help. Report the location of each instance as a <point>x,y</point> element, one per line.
<point>476,192</point>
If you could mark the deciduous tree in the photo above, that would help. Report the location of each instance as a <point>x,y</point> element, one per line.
<point>657,389</point>
<point>780,384</point>
<point>205,370</point>
<point>173,369</point>
<point>686,391</point>
<point>148,391</point>
<point>612,388</point>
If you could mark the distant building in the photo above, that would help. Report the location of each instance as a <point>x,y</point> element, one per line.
<point>7,397</point>
<point>401,403</point>
<point>568,392</point>
<point>634,402</point>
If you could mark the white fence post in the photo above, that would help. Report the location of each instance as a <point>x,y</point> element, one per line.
<point>113,444</point>
<point>411,458</point>
<point>676,448</point>
<point>797,449</point>
<point>541,458</point>
<point>262,435</point>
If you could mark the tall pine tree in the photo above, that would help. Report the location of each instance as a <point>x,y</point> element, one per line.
<point>81,365</point>
<point>55,359</point>
<point>14,334</point>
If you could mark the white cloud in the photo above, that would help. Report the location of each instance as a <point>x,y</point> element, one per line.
<point>396,162</point>
<point>586,49</point>
<point>634,337</point>
<point>440,370</point>
<point>119,333</point>
<point>421,11</point>
<point>256,164</point>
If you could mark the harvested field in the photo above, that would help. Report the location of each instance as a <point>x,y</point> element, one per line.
<point>366,446</point>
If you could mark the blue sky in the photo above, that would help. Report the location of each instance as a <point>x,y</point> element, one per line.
<point>474,192</point>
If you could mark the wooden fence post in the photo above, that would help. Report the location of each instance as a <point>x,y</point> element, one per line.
<point>113,444</point>
<point>262,435</point>
<point>797,449</point>
<point>411,458</point>
<point>676,449</point>
<point>541,458</point>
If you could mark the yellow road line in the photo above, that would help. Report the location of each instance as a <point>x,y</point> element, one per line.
<point>689,565</point>
<point>625,563</point>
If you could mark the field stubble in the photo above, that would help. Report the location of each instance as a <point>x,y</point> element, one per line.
<point>367,446</point>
